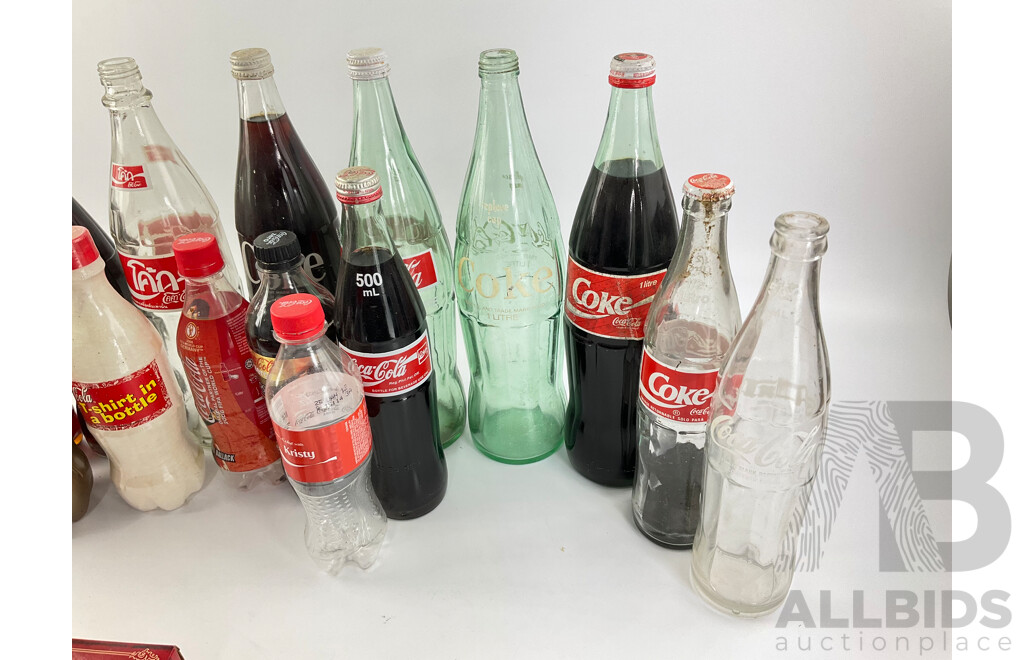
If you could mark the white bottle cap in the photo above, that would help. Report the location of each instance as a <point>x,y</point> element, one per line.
<point>251,64</point>
<point>367,63</point>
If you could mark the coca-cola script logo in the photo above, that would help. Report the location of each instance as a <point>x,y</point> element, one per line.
<point>394,373</point>
<point>128,177</point>
<point>678,396</point>
<point>784,452</point>
<point>609,305</point>
<point>421,268</point>
<point>154,282</point>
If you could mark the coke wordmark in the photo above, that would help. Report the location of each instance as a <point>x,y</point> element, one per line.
<point>396,372</point>
<point>421,268</point>
<point>154,281</point>
<point>678,396</point>
<point>612,306</point>
<point>129,177</point>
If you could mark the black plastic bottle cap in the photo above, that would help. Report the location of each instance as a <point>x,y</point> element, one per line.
<point>276,248</point>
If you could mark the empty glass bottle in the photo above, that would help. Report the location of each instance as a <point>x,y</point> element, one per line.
<point>766,432</point>
<point>379,142</point>
<point>509,262</point>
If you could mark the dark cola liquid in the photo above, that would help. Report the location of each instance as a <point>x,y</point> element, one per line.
<point>279,187</point>
<point>625,224</point>
<point>408,469</point>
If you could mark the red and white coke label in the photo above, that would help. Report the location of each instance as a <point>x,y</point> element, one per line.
<point>614,306</point>
<point>421,268</point>
<point>154,282</point>
<point>128,177</point>
<point>394,373</point>
<point>124,403</point>
<point>678,396</point>
<point>325,454</point>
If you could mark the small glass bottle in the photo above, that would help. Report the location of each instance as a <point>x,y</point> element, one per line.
<point>279,262</point>
<point>692,320</point>
<point>315,396</point>
<point>214,349</point>
<point>766,433</point>
<point>509,266</point>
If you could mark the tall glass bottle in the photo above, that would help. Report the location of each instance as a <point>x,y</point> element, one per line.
<point>621,242</point>
<point>379,142</point>
<point>508,271</point>
<point>155,196</point>
<point>766,432</point>
<point>693,318</point>
<point>278,185</point>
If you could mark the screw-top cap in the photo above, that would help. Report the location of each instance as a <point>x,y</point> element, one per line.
<point>276,248</point>
<point>297,316</point>
<point>197,255</point>
<point>709,187</point>
<point>83,248</point>
<point>251,64</point>
<point>632,70</point>
<point>358,185</point>
<point>367,63</point>
<point>498,60</point>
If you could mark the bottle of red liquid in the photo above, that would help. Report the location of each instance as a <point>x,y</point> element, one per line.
<point>381,324</point>
<point>621,243</point>
<point>278,184</point>
<point>220,370</point>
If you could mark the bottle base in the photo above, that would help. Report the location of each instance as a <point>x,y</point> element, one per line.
<point>670,541</point>
<point>518,436</point>
<point>716,602</point>
<point>410,514</point>
<point>603,478</point>
<point>514,460</point>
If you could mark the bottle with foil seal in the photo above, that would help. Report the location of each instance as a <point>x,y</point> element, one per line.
<point>692,321</point>
<point>315,396</point>
<point>155,196</point>
<point>508,273</point>
<point>124,387</point>
<point>620,245</point>
<point>379,141</point>
<point>278,186</point>
<point>766,432</point>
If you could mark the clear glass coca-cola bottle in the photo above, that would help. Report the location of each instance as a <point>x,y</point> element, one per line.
<point>278,186</point>
<point>692,321</point>
<point>508,271</point>
<point>766,432</point>
<point>379,142</point>
<point>155,196</point>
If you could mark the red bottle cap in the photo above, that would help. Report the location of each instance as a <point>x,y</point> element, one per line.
<point>297,316</point>
<point>197,255</point>
<point>358,185</point>
<point>632,71</point>
<point>709,187</point>
<point>83,249</point>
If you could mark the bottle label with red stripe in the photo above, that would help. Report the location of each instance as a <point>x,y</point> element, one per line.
<point>328,453</point>
<point>614,306</point>
<point>154,282</point>
<point>683,397</point>
<point>124,403</point>
<point>421,268</point>
<point>127,177</point>
<point>394,373</point>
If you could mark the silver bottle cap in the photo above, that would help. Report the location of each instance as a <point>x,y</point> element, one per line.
<point>632,70</point>
<point>251,64</point>
<point>709,187</point>
<point>357,185</point>
<point>368,63</point>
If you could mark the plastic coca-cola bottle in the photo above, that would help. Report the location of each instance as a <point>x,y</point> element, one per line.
<point>155,196</point>
<point>381,324</point>
<point>278,185</point>
<point>316,402</point>
<point>379,141</point>
<point>766,432</point>
<point>621,242</point>
<point>220,369</point>
<point>693,318</point>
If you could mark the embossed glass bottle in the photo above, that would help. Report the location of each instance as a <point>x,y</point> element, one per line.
<point>766,432</point>
<point>509,278</point>
<point>379,142</point>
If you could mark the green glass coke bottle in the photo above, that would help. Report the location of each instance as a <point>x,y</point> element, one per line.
<point>410,211</point>
<point>509,262</point>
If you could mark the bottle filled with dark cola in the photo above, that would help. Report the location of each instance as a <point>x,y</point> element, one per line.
<point>279,262</point>
<point>278,185</point>
<point>620,245</point>
<point>381,324</point>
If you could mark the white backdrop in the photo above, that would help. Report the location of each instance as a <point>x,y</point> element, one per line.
<point>833,107</point>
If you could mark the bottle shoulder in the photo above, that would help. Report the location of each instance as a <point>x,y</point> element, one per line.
<point>110,338</point>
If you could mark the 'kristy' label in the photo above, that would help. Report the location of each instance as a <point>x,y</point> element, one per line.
<point>394,373</point>
<point>154,282</point>
<point>421,268</point>
<point>128,177</point>
<point>328,453</point>
<point>614,306</point>
<point>678,396</point>
<point>117,405</point>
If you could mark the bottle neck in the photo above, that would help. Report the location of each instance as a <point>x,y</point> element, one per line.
<point>630,132</point>
<point>134,127</point>
<point>282,276</point>
<point>363,227</point>
<point>89,275</point>
<point>703,232</point>
<point>501,118</point>
<point>790,286</point>
<point>375,117</point>
<point>210,297</point>
<point>259,100</point>
<point>307,343</point>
